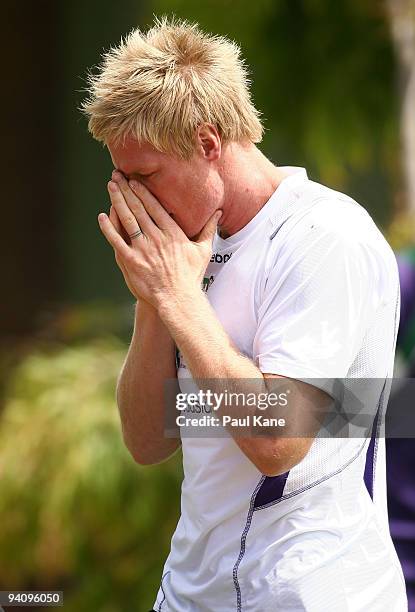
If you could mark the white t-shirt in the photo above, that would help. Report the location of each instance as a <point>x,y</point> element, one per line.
<point>307,289</point>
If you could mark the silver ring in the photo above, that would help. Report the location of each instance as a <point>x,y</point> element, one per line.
<point>136,234</point>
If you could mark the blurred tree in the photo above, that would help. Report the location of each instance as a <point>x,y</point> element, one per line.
<point>402,21</point>
<point>30,244</point>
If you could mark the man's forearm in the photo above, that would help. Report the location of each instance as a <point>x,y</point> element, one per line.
<point>140,389</point>
<point>206,347</point>
<point>210,354</point>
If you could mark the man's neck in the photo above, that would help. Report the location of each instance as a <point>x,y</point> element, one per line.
<point>250,181</point>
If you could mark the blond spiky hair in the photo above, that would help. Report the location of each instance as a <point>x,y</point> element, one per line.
<point>159,86</point>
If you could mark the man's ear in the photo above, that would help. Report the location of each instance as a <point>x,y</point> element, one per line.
<point>208,141</point>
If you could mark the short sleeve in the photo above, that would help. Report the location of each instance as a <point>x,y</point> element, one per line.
<point>317,304</point>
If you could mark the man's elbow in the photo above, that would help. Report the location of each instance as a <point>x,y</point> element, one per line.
<point>269,466</point>
<point>140,457</point>
<point>277,457</point>
<point>271,470</point>
<point>145,455</point>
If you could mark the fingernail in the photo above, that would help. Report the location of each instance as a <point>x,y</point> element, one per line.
<point>102,217</point>
<point>112,186</point>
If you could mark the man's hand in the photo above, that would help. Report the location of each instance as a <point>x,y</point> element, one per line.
<point>161,263</point>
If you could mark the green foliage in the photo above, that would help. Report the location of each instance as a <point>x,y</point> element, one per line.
<point>76,512</point>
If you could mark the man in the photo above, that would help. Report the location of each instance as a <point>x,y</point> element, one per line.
<point>298,285</point>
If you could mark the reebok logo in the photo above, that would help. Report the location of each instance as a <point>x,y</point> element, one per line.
<point>218,258</point>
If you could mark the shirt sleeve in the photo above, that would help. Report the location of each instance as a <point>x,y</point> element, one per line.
<point>317,304</point>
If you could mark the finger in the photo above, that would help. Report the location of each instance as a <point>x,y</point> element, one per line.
<point>113,237</point>
<point>208,231</point>
<point>119,228</point>
<point>125,215</point>
<point>153,207</point>
<point>146,223</point>
<point>115,220</point>
<point>125,188</point>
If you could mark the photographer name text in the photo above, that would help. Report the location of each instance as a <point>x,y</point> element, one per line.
<point>227,421</point>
